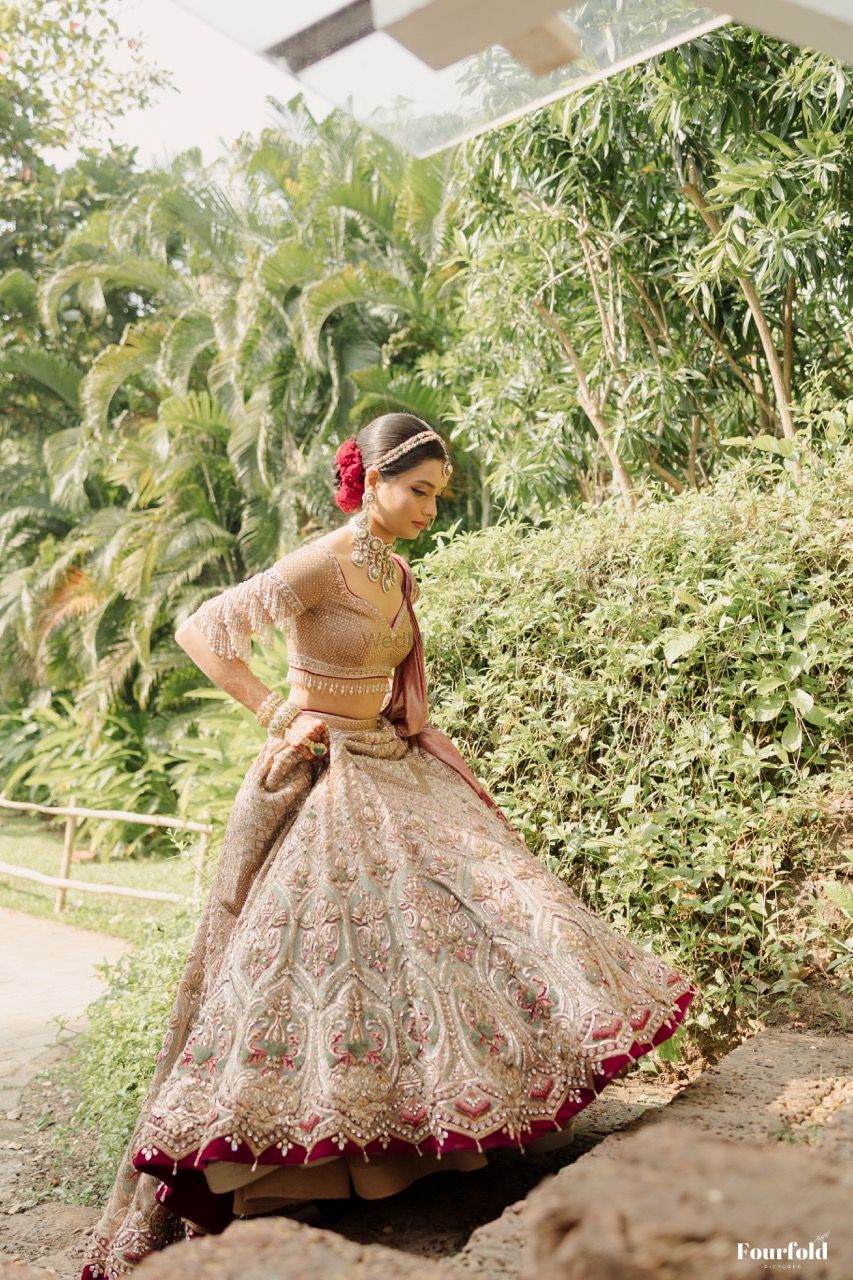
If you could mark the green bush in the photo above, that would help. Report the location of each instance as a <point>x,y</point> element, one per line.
<point>58,752</point>
<point>663,706</point>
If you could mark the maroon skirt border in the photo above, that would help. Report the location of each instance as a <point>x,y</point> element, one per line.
<point>184,1189</point>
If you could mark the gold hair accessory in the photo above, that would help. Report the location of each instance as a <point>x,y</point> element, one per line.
<point>420,438</point>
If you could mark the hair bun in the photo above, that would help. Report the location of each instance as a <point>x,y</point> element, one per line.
<point>350,491</point>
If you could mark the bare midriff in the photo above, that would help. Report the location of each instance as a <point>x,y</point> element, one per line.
<point>359,706</point>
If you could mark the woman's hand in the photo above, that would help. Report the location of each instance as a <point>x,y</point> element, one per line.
<point>295,745</point>
<point>304,730</point>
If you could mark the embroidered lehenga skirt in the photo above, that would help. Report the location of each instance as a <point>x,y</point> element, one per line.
<point>385,982</point>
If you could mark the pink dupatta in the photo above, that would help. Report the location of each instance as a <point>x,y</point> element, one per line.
<point>408,707</point>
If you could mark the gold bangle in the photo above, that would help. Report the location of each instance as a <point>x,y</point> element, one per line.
<point>282,717</point>
<point>268,708</point>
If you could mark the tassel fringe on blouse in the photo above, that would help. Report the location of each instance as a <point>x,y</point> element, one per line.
<point>336,641</point>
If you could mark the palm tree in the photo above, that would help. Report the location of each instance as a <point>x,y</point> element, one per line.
<point>269,298</point>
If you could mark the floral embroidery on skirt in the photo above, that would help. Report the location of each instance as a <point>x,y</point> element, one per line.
<point>383,971</point>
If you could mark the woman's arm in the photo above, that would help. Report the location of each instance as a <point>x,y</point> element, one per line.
<point>230,674</point>
<point>218,635</point>
<point>233,675</point>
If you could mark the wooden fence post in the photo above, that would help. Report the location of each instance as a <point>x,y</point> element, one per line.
<point>74,813</point>
<point>67,850</point>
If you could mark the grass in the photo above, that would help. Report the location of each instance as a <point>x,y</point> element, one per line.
<point>26,840</point>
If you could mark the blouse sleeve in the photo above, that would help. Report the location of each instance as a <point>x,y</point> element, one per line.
<point>259,605</point>
<point>416,591</point>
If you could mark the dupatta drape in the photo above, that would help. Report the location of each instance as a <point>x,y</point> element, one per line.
<point>408,707</point>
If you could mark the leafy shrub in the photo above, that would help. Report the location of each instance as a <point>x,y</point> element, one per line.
<point>111,1063</point>
<point>117,763</point>
<point>662,706</point>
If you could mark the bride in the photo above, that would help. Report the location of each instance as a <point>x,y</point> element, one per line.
<point>385,981</point>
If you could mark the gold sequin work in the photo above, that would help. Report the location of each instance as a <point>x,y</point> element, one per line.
<point>336,641</point>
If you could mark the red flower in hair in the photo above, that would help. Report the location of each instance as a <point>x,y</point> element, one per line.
<point>350,492</point>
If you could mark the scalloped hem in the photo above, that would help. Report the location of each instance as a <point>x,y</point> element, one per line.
<point>184,1189</point>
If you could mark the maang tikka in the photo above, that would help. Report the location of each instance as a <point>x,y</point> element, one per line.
<point>369,549</point>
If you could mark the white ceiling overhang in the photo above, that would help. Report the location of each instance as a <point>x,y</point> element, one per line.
<point>429,73</point>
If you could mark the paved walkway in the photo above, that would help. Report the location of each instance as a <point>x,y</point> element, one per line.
<point>46,969</point>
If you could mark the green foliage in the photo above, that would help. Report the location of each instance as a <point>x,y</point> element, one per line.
<point>117,764</point>
<point>687,224</point>
<point>56,73</point>
<point>112,1062</point>
<point>660,706</point>
<point>59,89</point>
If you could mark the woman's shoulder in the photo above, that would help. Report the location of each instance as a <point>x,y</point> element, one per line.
<point>309,554</point>
<point>334,543</point>
<point>306,571</point>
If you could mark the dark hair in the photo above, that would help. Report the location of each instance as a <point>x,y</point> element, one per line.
<point>386,432</point>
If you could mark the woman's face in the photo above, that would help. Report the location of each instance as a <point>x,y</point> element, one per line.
<point>405,504</point>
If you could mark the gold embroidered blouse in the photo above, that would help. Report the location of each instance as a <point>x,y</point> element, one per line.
<point>336,641</point>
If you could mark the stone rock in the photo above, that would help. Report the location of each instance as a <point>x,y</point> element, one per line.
<point>676,1205</point>
<point>278,1248</point>
<point>11,1270</point>
<point>779,1084</point>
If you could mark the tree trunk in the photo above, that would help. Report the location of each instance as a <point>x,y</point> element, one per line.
<point>695,422</point>
<point>788,343</point>
<point>485,500</point>
<point>764,420</point>
<point>694,195</point>
<point>605,319</point>
<point>721,347</point>
<point>666,475</point>
<point>592,409</point>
